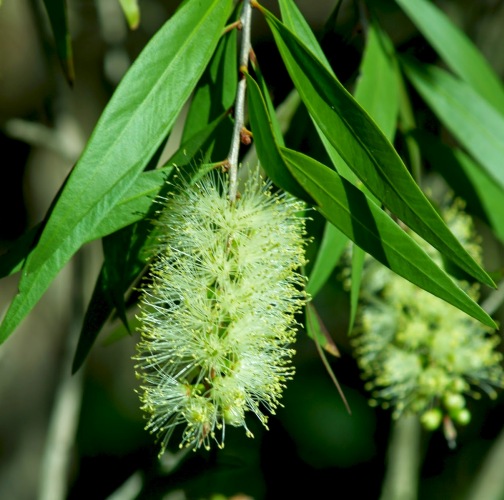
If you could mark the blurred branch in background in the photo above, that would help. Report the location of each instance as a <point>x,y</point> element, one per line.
<point>489,480</point>
<point>403,460</point>
<point>60,441</point>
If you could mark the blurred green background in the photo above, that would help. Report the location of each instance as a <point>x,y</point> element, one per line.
<point>314,447</point>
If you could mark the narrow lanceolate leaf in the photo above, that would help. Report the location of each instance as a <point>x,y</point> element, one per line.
<point>131,12</point>
<point>474,122</point>
<point>135,204</point>
<point>133,207</point>
<point>136,120</point>
<point>333,240</point>
<point>375,232</point>
<point>216,90</point>
<point>483,196</point>
<point>193,146</point>
<point>377,92</point>
<point>364,147</point>
<point>331,249</point>
<point>317,331</point>
<point>121,267</point>
<point>58,17</point>
<point>294,20</point>
<point>457,51</point>
<point>138,117</point>
<point>265,143</point>
<point>13,260</point>
<point>377,89</point>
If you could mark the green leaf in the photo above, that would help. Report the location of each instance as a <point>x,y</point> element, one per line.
<point>130,130</point>
<point>131,12</point>
<point>216,90</point>
<point>377,89</point>
<point>135,204</point>
<point>358,257</point>
<point>133,207</point>
<point>457,51</point>
<point>365,149</point>
<point>194,145</point>
<point>99,309</point>
<point>483,196</point>
<point>275,124</point>
<point>121,267</point>
<point>333,241</point>
<point>474,122</point>
<point>317,331</point>
<point>375,232</point>
<point>265,143</point>
<point>294,20</point>
<point>13,260</point>
<point>58,17</point>
<point>136,120</point>
<point>331,249</point>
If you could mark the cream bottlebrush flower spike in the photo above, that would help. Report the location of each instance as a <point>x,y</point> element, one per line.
<point>419,353</point>
<point>218,310</point>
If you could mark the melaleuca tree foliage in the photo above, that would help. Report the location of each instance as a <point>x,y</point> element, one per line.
<point>206,257</point>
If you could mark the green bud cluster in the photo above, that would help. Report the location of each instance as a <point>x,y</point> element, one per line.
<point>418,353</point>
<point>218,309</point>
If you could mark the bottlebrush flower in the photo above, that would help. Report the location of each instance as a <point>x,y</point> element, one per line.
<point>419,353</point>
<point>218,310</point>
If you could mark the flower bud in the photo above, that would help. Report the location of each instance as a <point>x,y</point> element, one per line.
<point>431,419</point>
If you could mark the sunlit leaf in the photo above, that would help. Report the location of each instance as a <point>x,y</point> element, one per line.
<point>331,249</point>
<point>375,232</point>
<point>130,130</point>
<point>457,51</point>
<point>216,90</point>
<point>265,143</point>
<point>364,147</point>
<point>474,122</point>
<point>484,197</point>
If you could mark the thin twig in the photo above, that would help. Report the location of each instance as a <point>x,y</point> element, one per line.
<point>239,111</point>
<point>232,26</point>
